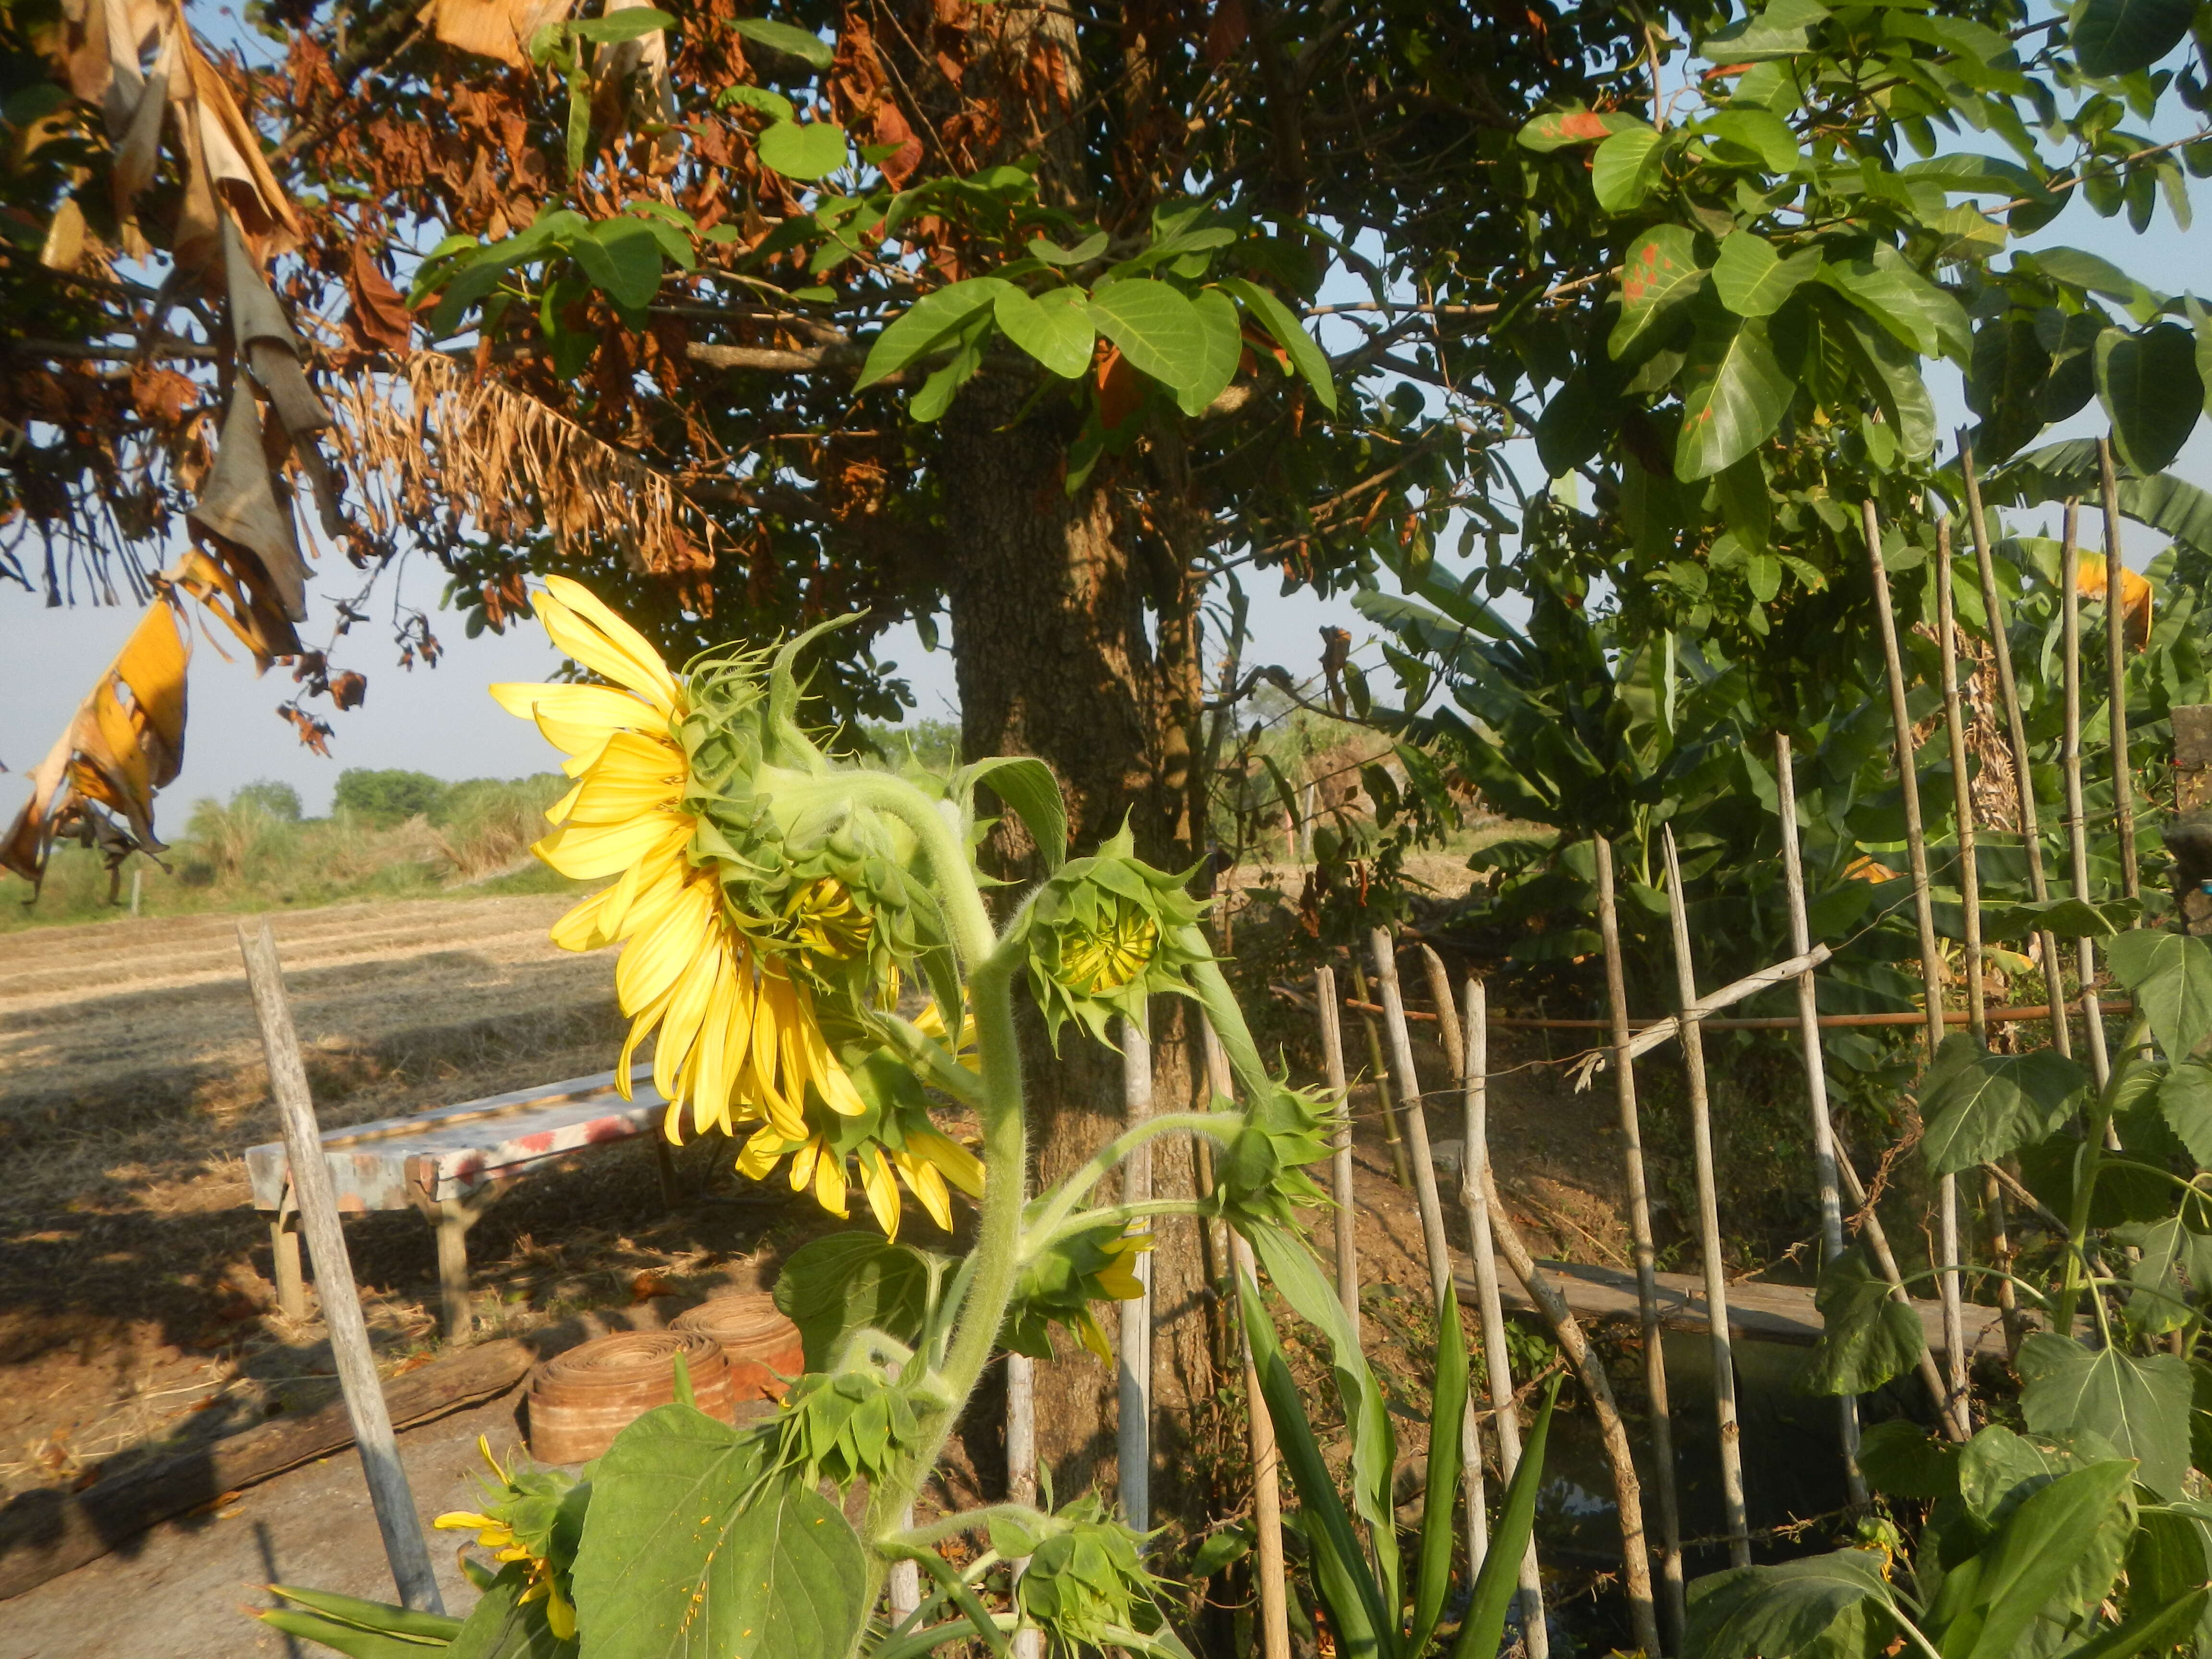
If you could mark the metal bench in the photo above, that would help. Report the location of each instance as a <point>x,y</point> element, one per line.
<point>451,1165</point>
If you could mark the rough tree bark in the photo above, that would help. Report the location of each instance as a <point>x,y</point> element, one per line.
<point>1050,596</point>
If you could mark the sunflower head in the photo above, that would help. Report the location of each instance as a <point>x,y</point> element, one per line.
<point>1106,934</point>
<point>1058,1285</point>
<point>1261,1174</point>
<point>532,1520</point>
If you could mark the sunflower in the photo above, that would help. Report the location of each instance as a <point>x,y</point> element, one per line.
<point>894,1143</point>
<point>498,1533</point>
<point>731,989</point>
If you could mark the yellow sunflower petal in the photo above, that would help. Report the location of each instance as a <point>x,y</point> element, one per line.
<point>560,1616</point>
<point>926,1184</point>
<point>584,628</point>
<point>803,1162</point>
<point>756,1160</point>
<point>585,851</point>
<point>710,1089</point>
<point>656,956</point>
<point>577,719</point>
<point>955,1162</point>
<point>882,1190</point>
<point>646,1020</point>
<point>1093,1338</point>
<point>829,1184</point>
<point>634,775</point>
<point>585,927</point>
<point>687,1014</point>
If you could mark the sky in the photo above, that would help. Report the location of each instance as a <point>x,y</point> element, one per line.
<point>441,721</point>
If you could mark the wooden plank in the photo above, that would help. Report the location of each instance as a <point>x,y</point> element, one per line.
<point>1756,1312</point>
<point>46,1533</point>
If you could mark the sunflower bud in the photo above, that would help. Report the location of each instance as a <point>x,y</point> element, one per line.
<point>1106,934</point>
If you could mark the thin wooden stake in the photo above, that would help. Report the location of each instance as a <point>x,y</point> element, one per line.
<point>1931,960</point>
<point>1381,1075</point>
<point>1347,1201</point>
<point>1474,1185</point>
<point>1134,1420</point>
<point>902,1587</point>
<point>2031,834</point>
<point>1430,1204</point>
<point>1612,1435</point>
<point>2116,668</point>
<point>1646,1255</point>
<point>1022,1470</point>
<point>1816,1077</point>
<point>1884,1258</point>
<point>1970,883</point>
<point>1448,1037</point>
<point>388,1489</point>
<point>2069,762</point>
<point>1733,1517</point>
<point>1266,1463</point>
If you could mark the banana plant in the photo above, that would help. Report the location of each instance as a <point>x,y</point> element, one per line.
<point>1364,1590</point>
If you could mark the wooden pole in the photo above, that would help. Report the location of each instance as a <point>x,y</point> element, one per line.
<point>1347,1201</point>
<point>1430,1204</point>
<point>138,875</point>
<point>1266,1463</point>
<point>1022,1471</point>
<point>1931,960</point>
<point>1474,1183</point>
<point>319,1212</point>
<point>2069,762</point>
<point>1884,1258</point>
<point>1447,1032</point>
<point>1816,1077</point>
<point>1381,1075</point>
<point>902,1587</point>
<point>1646,1255</point>
<point>1709,1223</point>
<point>2116,668</point>
<point>1134,1422</point>
<point>2031,834</point>
<point>1612,1435</point>
<point>1970,890</point>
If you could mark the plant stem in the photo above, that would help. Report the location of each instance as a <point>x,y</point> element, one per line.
<point>1072,1191</point>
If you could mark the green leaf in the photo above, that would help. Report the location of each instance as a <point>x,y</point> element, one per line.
<point>1483,1627</point>
<point>1988,1602</point>
<point>1082,253</point>
<point>1440,1493</point>
<point>1899,1460</point>
<point>2171,1260</point>
<point>1282,323</point>
<point>626,24</point>
<point>1624,168</point>
<point>1224,348</point>
<point>2185,1099</point>
<point>850,1281</point>
<point>435,1628</point>
<point>1028,787</point>
<point>2164,1626</point>
<point>1762,132</point>
<point>1921,315</point>
<point>1752,280</point>
<point>2118,37</point>
<point>797,149</point>
<point>694,1549</point>
<point>1867,1336</point>
<point>1158,330</point>
<point>2171,975</point>
<point>350,1640</point>
<point>1982,1106</point>
<point>774,104</point>
<point>793,41</point>
<point>1735,392</point>
<point>1054,329</point>
<point>2081,269</point>
<point>2140,1406</point>
<point>622,257</point>
<point>1998,1471</point>
<point>2065,918</point>
<point>1659,272</point>
<point>1826,1606</point>
<point>2148,385</point>
<point>1891,372</point>
<point>503,1626</point>
<point>926,324</point>
<point>1573,126</point>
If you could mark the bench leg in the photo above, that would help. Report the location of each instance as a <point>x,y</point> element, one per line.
<point>284,1246</point>
<point>454,1217</point>
<point>666,1161</point>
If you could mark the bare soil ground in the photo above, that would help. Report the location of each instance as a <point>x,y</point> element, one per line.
<point>135,1308</point>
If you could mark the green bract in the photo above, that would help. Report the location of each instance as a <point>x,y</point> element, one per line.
<point>846,1427</point>
<point>1260,1174</point>
<point>1085,1585</point>
<point>1108,933</point>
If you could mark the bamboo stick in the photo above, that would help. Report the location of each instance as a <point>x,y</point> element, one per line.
<point>903,1587</point>
<point>1021,1471</point>
<point>1733,1517</point>
<point>1659,1032</point>
<point>1970,892</point>
<point>1931,961</point>
<point>2031,834</point>
<point>1260,1428</point>
<point>1816,1078</point>
<point>1447,1027</point>
<point>1474,1175</point>
<point>1430,1204</point>
<point>1885,1259</point>
<point>1812,958</point>
<point>1382,1074</point>
<point>2116,668</point>
<point>388,1490</point>
<point>1133,1416</point>
<point>1646,1256</point>
<point>1613,1436</point>
<point>1347,1217</point>
<point>2069,763</point>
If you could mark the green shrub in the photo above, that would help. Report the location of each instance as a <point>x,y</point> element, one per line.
<point>383,798</point>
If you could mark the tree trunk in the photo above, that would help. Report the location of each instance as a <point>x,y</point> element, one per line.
<point>1054,659</point>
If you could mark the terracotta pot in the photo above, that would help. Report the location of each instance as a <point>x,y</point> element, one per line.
<point>580,1401</point>
<point>763,1348</point>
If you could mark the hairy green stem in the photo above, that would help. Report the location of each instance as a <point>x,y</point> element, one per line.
<point>1077,1187</point>
<point>1110,1215</point>
<point>976,1520</point>
<point>2085,1164</point>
